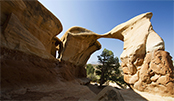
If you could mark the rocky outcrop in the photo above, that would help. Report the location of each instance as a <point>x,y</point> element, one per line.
<point>146,65</point>
<point>56,46</point>
<point>29,27</point>
<point>137,34</point>
<point>140,43</point>
<point>28,47</point>
<point>78,44</point>
<point>156,74</point>
<point>22,70</point>
<point>109,94</point>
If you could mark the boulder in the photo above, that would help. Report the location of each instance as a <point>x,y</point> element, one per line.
<point>109,94</point>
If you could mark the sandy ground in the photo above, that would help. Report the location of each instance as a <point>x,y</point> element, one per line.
<point>127,94</point>
<point>153,97</point>
<point>72,91</point>
<point>131,95</point>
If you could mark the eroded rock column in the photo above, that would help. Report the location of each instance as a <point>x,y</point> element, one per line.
<point>78,44</point>
<point>146,66</point>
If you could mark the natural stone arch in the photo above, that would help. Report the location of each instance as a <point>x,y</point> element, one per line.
<point>56,46</point>
<point>78,44</point>
<point>133,33</point>
<point>141,46</point>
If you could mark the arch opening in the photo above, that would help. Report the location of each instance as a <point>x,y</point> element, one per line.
<point>56,48</point>
<point>115,45</point>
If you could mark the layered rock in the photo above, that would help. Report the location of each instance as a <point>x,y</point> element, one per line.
<point>136,33</point>
<point>78,44</point>
<point>28,48</point>
<point>29,27</point>
<point>146,65</point>
<point>29,69</point>
<point>141,43</point>
<point>22,70</point>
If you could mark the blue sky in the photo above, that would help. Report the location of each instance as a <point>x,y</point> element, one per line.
<point>100,16</point>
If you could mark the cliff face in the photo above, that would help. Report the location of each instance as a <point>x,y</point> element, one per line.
<point>29,27</point>
<point>28,50</point>
<point>21,70</point>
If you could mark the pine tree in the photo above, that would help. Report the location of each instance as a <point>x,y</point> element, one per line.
<point>89,69</point>
<point>109,68</point>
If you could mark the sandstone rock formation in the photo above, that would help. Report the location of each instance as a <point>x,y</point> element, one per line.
<point>29,27</point>
<point>109,94</point>
<point>78,44</point>
<point>146,65</point>
<point>140,43</point>
<point>29,70</point>
<point>29,45</point>
<point>156,74</point>
<point>136,33</point>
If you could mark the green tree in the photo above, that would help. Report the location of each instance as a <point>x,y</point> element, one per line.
<point>109,68</point>
<point>90,73</point>
<point>89,69</point>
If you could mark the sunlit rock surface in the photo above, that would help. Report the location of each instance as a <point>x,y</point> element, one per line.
<point>146,65</point>
<point>29,45</point>
<point>29,69</point>
<point>140,43</point>
<point>29,27</point>
<point>78,44</point>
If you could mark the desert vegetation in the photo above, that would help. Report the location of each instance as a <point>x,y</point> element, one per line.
<point>108,70</point>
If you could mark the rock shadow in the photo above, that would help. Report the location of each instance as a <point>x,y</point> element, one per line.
<point>94,88</point>
<point>127,94</point>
